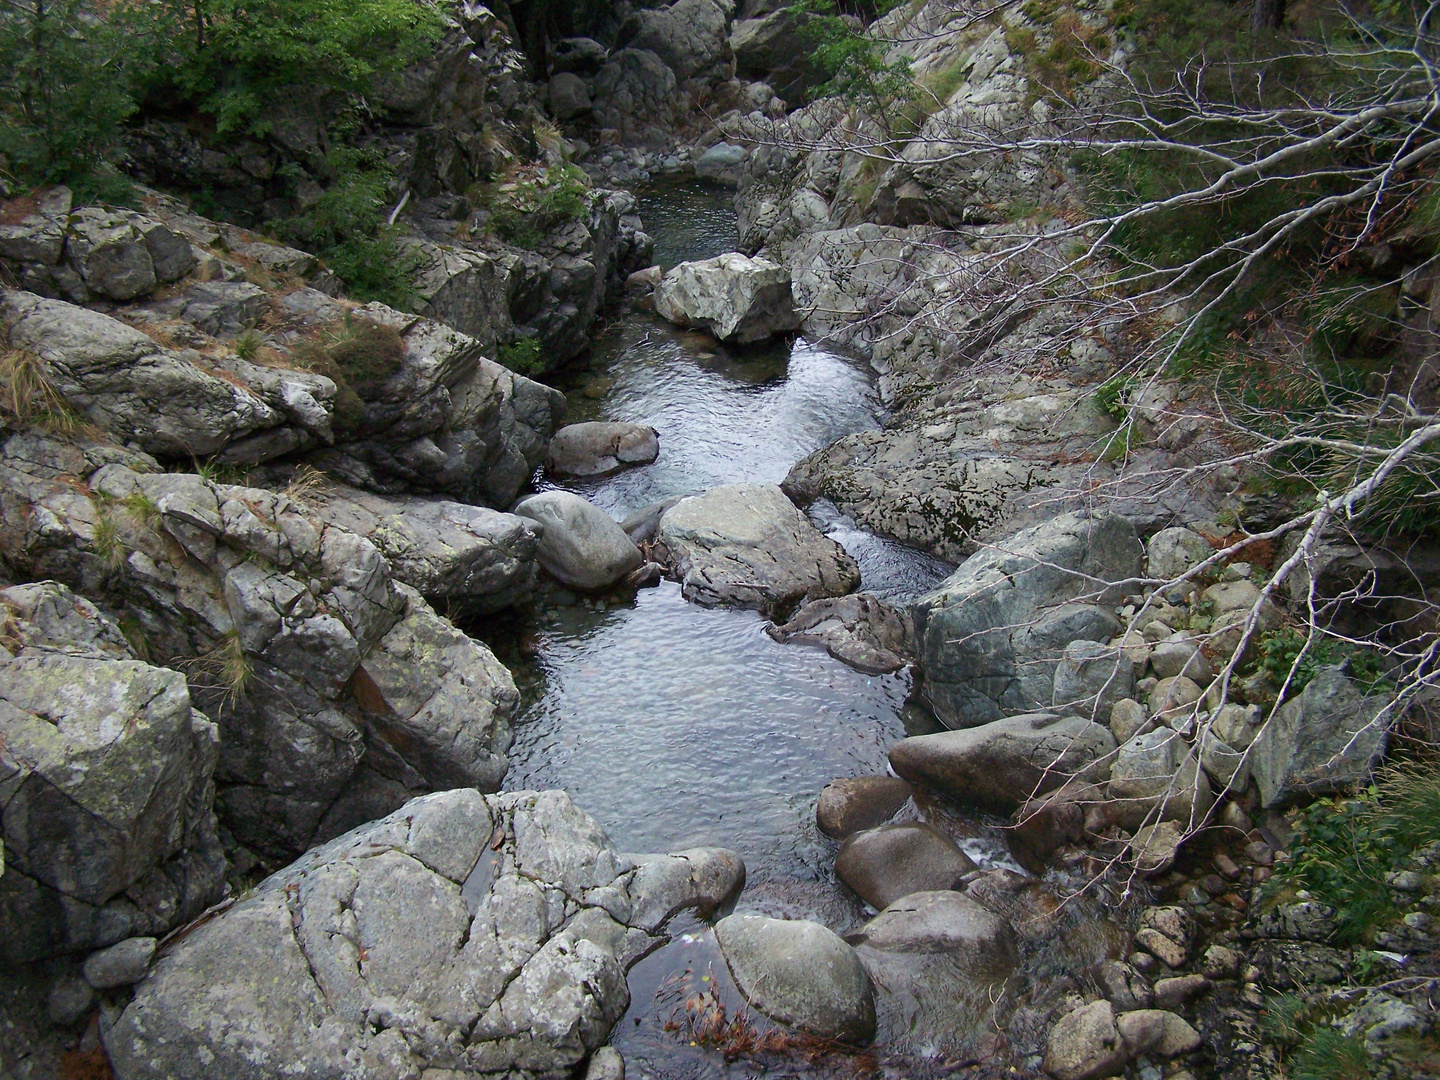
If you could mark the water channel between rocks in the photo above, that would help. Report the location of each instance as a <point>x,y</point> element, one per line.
<point>678,726</point>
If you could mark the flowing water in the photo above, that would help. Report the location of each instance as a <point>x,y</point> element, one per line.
<point>675,725</point>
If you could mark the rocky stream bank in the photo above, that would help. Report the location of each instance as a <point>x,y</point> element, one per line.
<point>334,658</point>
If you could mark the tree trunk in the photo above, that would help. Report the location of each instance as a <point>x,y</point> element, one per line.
<point>1267,14</point>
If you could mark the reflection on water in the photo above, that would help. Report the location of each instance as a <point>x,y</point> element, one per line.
<point>688,220</point>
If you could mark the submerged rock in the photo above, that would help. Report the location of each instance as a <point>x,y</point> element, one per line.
<point>598,449</point>
<point>581,545</point>
<point>937,959</point>
<point>800,974</point>
<point>746,545</point>
<point>860,630</point>
<point>889,862</point>
<point>464,932</point>
<point>734,297</point>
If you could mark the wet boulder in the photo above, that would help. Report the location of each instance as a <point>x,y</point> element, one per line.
<point>861,802</point>
<point>1328,738</point>
<point>746,545</point>
<point>889,862</point>
<point>479,934</point>
<point>800,974</point>
<point>723,163</point>
<point>860,630</point>
<point>598,449</point>
<point>581,545</point>
<point>1086,1045</point>
<point>991,636</point>
<point>734,297</point>
<point>937,959</point>
<point>1002,764</point>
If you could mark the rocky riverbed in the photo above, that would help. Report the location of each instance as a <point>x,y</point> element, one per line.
<point>340,754</point>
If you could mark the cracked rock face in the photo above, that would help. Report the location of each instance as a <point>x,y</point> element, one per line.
<point>105,783</point>
<point>339,693</point>
<point>481,934</point>
<point>746,545</point>
<point>733,297</point>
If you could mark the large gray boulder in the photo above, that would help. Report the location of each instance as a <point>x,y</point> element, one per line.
<point>125,383</point>
<point>853,803</point>
<point>889,862</point>
<point>1327,739</point>
<point>470,555</point>
<point>569,96</point>
<point>1156,776</point>
<point>596,448</point>
<point>1086,1045</point>
<point>480,934</point>
<point>990,637</point>
<point>1091,677</point>
<point>634,89</point>
<point>580,544</point>
<point>766,49</point>
<point>1004,763</point>
<point>938,959</point>
<point>746,545</point>
<point>338,692</point>
<point>692,37</point>
<point>1175,550</point>
<point>801,974</point>
<point>734,297</point>
<point>105,784</point>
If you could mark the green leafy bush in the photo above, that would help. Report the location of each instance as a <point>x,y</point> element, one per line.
<point>526,209</point>
<point>1281,650</point>
<point>526,356</point>
<point>854,62</point>
<point>1344,847</point>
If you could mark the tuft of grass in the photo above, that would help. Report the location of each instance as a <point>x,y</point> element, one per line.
<point>139,639</point>
<point>305,481</point>
<point>524,210</point>
<point>145,508</point>
<point>224,669</point>
<point>1344,847</point>
<point>29,397</point>
<point>248,344</point>
<point>107,542</point>
<point>1326,1054</point>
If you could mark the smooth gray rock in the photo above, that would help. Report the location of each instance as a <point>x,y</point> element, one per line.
<point>990,637</point>
<point>1181,655</point>
<point>1090,678</point>
<point>446,550</point>
<point>1173,551</point>
<point>569,96</point>
<point>1157,1033</point>
<point>120,965</point>
<point>1086,1045</point>
<point>69,1001</point>
<point>861,802</point>
<point>580,544</point>
<point>598,449</point>
<point>1158,769</point>
<point>937,959</point>
<point>723,163</point>
<point>1004,763</point>
<point>699,878</point>
<point>1325,740</point>
<point>605,1064</point>
<point>746,545</point>
<point>492,930</point>
<point>110,254</point>
<point>860,630</point>
<point>801,974</point>
<point>734,297</point>
<point>889,862</point>
<point>105,784</point>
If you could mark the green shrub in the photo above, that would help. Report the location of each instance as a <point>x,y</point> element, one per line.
<point>1280,650</point>
<point>525,356</point>
<point>525,210</point>
<point>854,63</point>
<point>1326,1054</point>
<point>1344,846</point>
<point>360,357</point>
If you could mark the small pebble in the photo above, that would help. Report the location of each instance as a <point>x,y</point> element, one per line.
<point>1227,866</point>
<point>1142,962</point>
